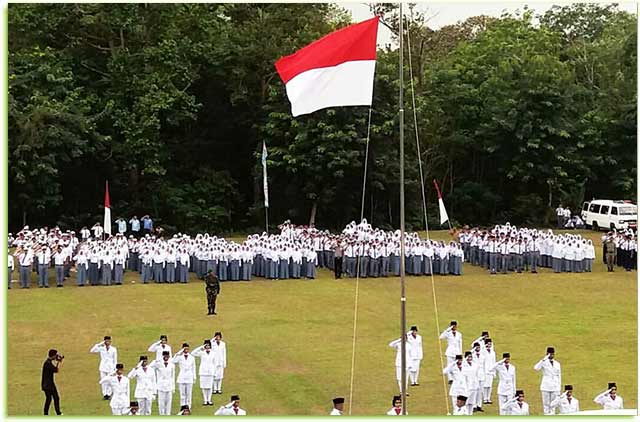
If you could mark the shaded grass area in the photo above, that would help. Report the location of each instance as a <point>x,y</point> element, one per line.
<point>289,341</point>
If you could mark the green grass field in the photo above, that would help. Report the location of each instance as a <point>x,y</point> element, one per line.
<point>289,342</point>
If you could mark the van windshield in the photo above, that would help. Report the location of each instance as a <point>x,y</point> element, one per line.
<point>628,210</point>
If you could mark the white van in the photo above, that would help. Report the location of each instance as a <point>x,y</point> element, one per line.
<point>609,215</point>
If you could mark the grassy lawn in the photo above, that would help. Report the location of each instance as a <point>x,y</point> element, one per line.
<point>289,342</point>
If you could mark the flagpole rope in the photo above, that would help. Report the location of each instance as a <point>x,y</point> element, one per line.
<point>355,305</point>
<point>426,222</point>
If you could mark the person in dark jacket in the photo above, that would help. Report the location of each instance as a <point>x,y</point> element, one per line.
<point>51,366</point>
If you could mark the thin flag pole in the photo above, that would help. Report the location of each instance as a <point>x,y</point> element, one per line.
<point>403,299</point>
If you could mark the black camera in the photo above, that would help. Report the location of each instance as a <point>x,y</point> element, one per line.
<point>59,357</point>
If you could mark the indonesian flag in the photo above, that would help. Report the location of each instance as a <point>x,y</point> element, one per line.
<point>443,212</point>
<point>107,210</point>
<point>336,70</point>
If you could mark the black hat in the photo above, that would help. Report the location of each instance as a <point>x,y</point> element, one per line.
<point>568,387</point>
<point>207,341</point>
<point>518,392</point>
<point>184,407</point>
<point>414,328</point>
<point>467,353</point>
<point>185,345</point>
<point>166,353</point>
<point>338,400</point>
<point>163,337</point>
<point>52,352</point>
<point>453,323</point>
<point>485,333</point>
<point>476,344</point>
<point>235,397</point>
<point>144,357</point>
<point>462,398</point>
<point>612,385</point>
<point>218,333</point>
<point>506,355</point>
<point>119,366</point>
<point>133,404</point>
<point>488,340</point>
<point>551,350</point>
<point>107,337</point>
<point>395,399</point>
<point>458,357</point>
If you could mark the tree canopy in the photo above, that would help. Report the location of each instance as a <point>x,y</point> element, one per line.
<point>171,103</point>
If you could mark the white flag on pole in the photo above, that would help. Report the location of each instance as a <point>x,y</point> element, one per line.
<point>265,184</point>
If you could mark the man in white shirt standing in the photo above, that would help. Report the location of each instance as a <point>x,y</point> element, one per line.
<point>459,382</point>
<point>187,374</point>
<point>159,347</point>
<point>219,350</point>
<point>507,384</point>
<point>566,402</point>
<point>165,382</point>
<point>10,269</point>
<point>609,399</point>
<point>119,385</point>
<point>460,408</point>
<point>396,410</point>
<point>551,380</point>
<point>145,385</point>
<point>414,342</point>
<point>338,406</point>
<point>206,371</point>
<point>108,361</point>
<point>454,343</point>
<point>397,345</point>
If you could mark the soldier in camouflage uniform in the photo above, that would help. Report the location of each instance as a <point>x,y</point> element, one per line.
<point>213,289</point>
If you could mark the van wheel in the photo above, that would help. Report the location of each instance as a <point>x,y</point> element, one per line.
<point>613,226</point>
<point>594,226</point>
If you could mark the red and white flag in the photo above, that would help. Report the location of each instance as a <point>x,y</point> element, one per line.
<point>107,210</point>
<point>336,70</point>
<point>443,211</point>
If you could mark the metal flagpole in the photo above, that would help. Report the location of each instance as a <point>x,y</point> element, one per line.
<point>403,299</point>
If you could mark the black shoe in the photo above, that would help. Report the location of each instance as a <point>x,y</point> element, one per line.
<point>59,285</point>
<point>450,382</point>
<point>213,313</point>
<point>480,409</point>
<point>105,397</point>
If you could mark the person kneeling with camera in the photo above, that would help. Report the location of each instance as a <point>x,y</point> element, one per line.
<point>51,366</point>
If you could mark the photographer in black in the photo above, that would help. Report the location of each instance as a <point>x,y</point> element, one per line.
<point>50,367</point>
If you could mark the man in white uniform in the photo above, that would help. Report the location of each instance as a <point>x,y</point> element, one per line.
<point>470,371</point>
<point>165,382</point>
<point>459,383</point>
<point>108,360</point>
<point>489,362</point>
<point>396,410</point>
<point>610,400</point>
<point>454,343</point>
<point>479,359</point>
<point>119,385</point>
<point>145,385</point>
<point>507,384</point>
<point>187,374</point>
<point>566,402</point>
<point>219,350</point>
<point>232,408</point>
<point>414,341</point>
<point>397,345</point>
<point>517,406</point>
<point>206,371</point>
<point>551,380</point>
<point>160,346</point>
<point>338,406</point>
<point>460,408</point>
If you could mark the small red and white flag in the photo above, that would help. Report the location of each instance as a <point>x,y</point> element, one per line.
<point>443,211</point>
<point>336,70</point>
<point>107,210</point>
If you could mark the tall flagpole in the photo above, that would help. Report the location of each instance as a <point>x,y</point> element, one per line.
<point>403,299</point>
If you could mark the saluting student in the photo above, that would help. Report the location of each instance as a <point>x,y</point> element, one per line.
<point>25,260</point>
<point>232,408</point>
<point>458,385</point>
<point>119,385</point>
<point>219,350</point>
<point>460,407</point>
<point>165,382</point>
<point>454,343</point>
<point>108,360</point>
<point>414,342</point>
<point>551,380</point>
<point>609,399</point>
<point>159,347</point>
<point>206,371</point>
<point>566,402</point>
<point>517,406</point>
<point>187,374</point>
<point>397,345</point>
<point>145,385</point>
<point>507,384</point>
<point>338,407</point>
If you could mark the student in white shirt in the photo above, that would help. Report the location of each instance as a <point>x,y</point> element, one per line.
<point>551,380</point>
<point>517,406</point>
<point>232,408</point>
<point>609,399</point>
<point>108,360</point>
<point>165,382</point>
<point>454,342</point>
<point>566,402</point>
<point>119,385</point>
<point>10,269</point>
<point>396,410</point>
<point>507,384</point>
<point>159,347</point>
<point>338,406</point>
<point>206,371</point>
<point>460,407</point>
<point>145,385</point>
<point>187,374</point>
